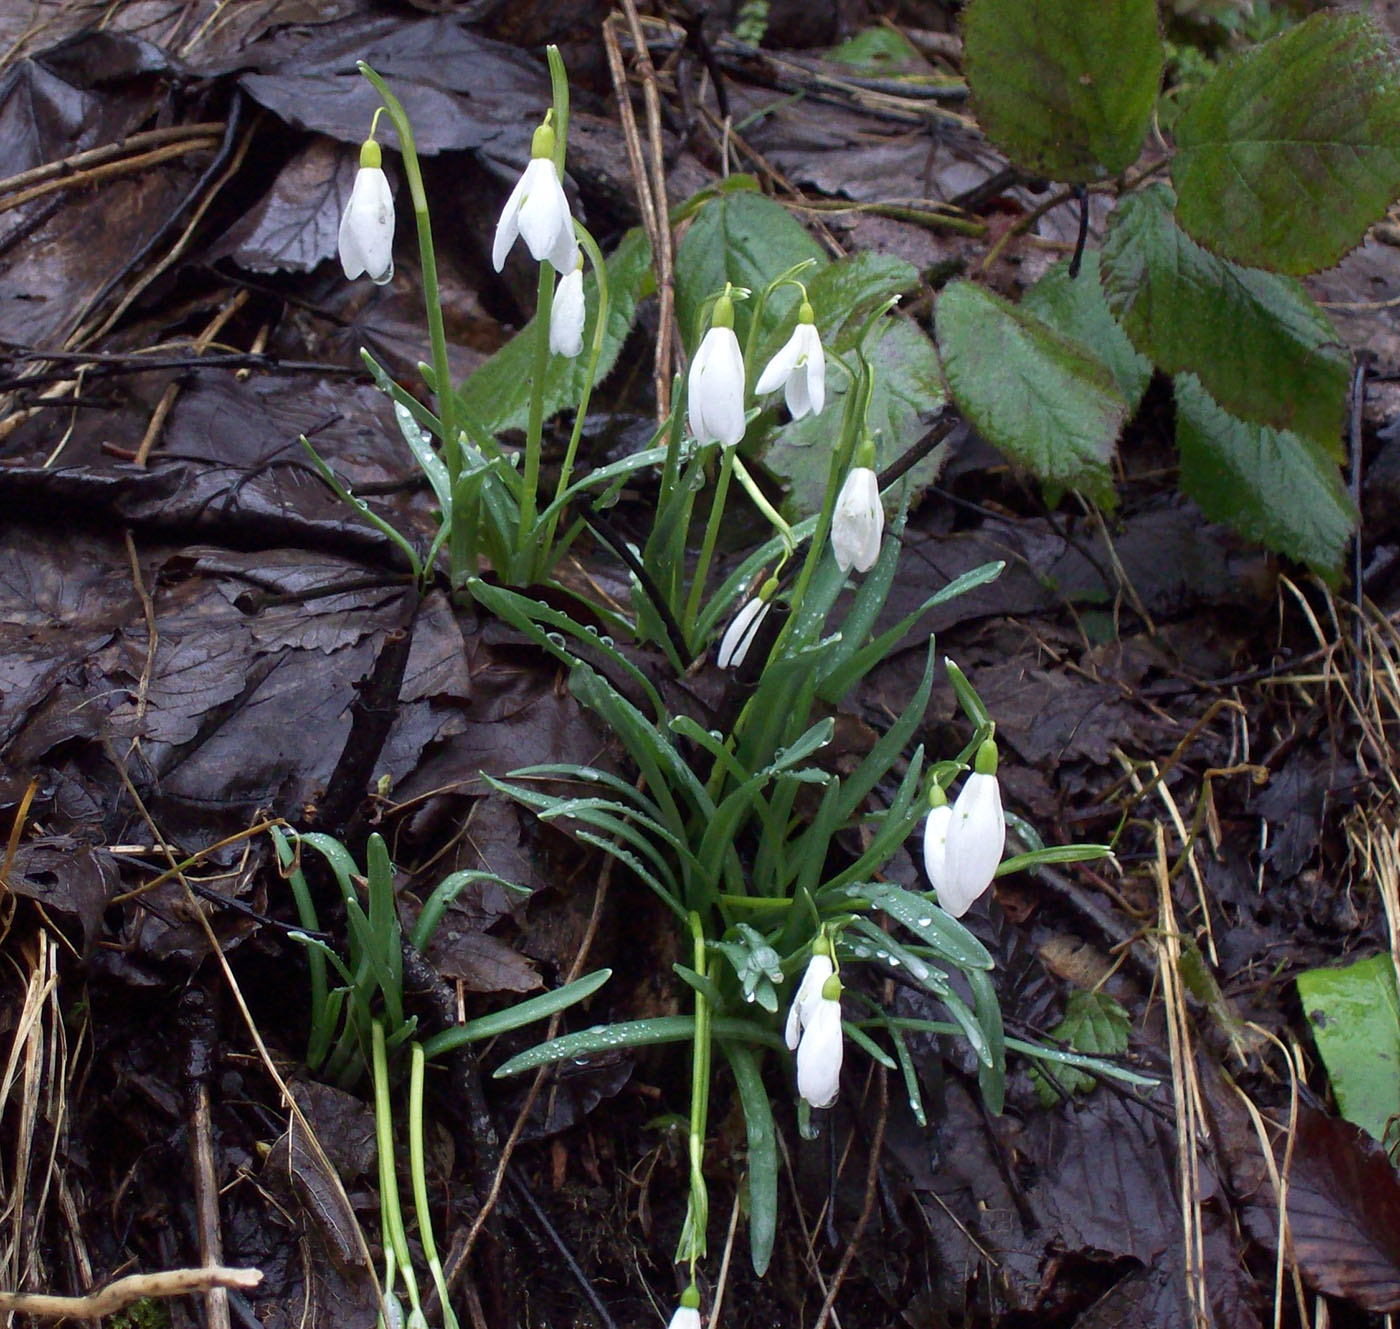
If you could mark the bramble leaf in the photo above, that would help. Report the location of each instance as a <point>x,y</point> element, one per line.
<point>1293,148</point>
<point>1271,485</point>
<point>1076,307</point>
<point>738,235</point>
<point>1065,89</point>
<point>498,393</point>
<point>1032,392</point>
<point>1255,339</point>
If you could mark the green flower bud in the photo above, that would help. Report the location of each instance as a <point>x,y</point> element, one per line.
<point>371,157</point>
<point>542,145</point>
<point>986,760</point>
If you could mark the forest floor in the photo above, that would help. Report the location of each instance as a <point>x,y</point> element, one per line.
<point>196,640</point>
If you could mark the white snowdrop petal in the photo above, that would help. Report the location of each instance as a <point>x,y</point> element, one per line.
<point>779,368</point>
<point>686,1317</point>
<point>936,845</point>
<point>858,521</point>
<point>545,223</point>
<point>819,1055</point>
<point>566,315</point>
<point>739,635</point>
<point>809,991</point>
<point>795,394</point>
<point>508,227</point>
<point>815,372</point>
<point>715,398</point>
<point>800,369</point>
<point>976,839</point>
<point>366,237</point>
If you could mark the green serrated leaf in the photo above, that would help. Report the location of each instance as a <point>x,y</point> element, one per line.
<point>1032,392</point>
<point>1355,1019</point>
<point>1094,1024</point>
<point>1271,485</point>
<point>907,390</point>
<point>498,393</point>
<point>1292,150</point>
<point>1064,88</point>
<point>740,236</point>
<point>1075,306</point>
<point>1255,339</point>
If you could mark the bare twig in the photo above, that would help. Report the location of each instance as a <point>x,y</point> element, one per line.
<point>135,1287</point>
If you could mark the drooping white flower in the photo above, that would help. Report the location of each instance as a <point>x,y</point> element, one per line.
<point>742,629</point>
<point>566,314</point>
<point>367,224</point>
<point>975,838</point>
<point>687,1314</point>
<point>809,992</point>
<point>819,1052</point>
<point>715,396</point>
<point>538,210</point>
<point>858,520</point>
<point>799,369</point>
<point>936,838</point>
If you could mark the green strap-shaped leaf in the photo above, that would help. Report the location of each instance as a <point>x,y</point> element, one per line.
<point>522,1013</point>
<point>1255,339</point>
<point>1273,486</point>
<point>1032,392</point>
<point>763,1153</point>
<point>1293,148</point>
<point>1064,88</point>
<point>931,924</point>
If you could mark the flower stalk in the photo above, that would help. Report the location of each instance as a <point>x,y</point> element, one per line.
<point>432,300</point>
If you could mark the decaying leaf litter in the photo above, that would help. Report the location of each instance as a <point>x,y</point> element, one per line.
<point>199,639</point>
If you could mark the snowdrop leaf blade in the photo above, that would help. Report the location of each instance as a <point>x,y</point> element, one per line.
<point>519,1015</point>
<point>991,1078</point>
<point>931,925</point>
<point>601,1038</point>
<point>763,1154</point>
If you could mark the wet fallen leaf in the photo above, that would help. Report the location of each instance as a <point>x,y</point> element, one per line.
<point>1344,1212</point>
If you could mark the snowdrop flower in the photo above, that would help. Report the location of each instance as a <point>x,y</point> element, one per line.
<point>744,626</point>
<point>687,1314</point>
<point>936,834</point>
<point>538,210</point>
<point>858,520</point>
<point>973,840</point>
<point>367,224</point>
<point>799,369</point>
<point>809,993</point>
<point>819,1052</point>
<point>715,399</point>
<point>566,314</point>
